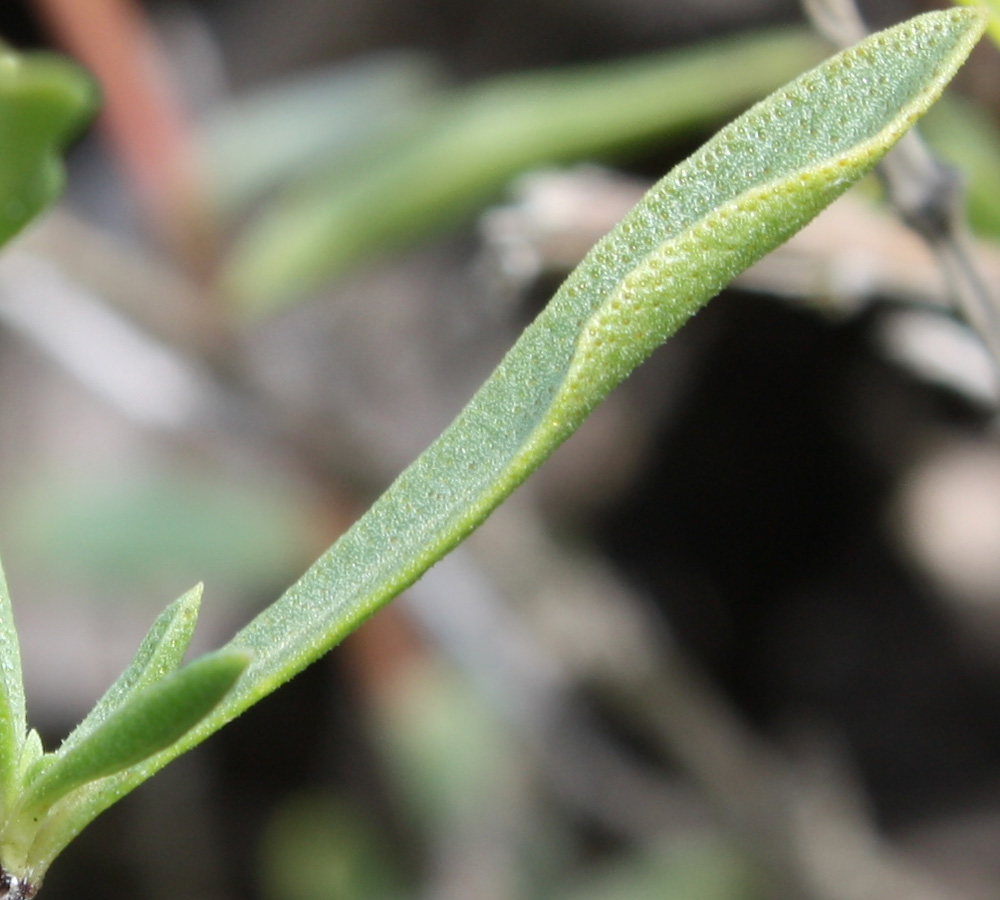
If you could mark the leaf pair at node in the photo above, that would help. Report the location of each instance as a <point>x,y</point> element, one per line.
<point>154,703</point>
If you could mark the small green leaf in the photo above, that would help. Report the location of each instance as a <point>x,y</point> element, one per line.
<point>150,721</point>
<point>31,753</point>
<point>44,102</point>
<point>12,715</point>
<point>160,653</point>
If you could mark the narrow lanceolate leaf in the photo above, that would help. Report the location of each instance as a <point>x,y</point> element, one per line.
<point>151,720</point>
<point>44,101</point>
<point>160,653</point>
<point>747,190</point>
<point>12,715</point>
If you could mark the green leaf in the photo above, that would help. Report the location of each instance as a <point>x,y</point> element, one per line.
<point>151,719</point>
<point>31,753</point>
<point>44,102</point>
<point>463,152</point>
<point>12,715</point>
<point>160,653</point>
<point>747,190</point>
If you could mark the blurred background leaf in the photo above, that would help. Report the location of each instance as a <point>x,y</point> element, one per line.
<point>45,102</point>
<point>115,532</point>
<point>325,848</point>
<point>464,149</point>
<point>967,137</point>
<point>262,140</point>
